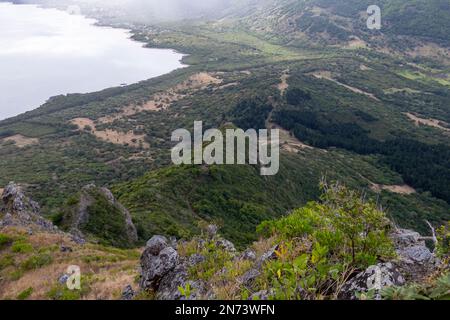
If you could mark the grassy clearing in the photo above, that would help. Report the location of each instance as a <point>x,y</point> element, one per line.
<point>34,275</point>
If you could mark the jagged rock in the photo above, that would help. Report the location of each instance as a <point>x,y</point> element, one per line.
<point>155,267</point>
<point>419,254</point>
<point>249,277</point>
<point>226,245</point>
<point>168,287</point>
<point>156,244</point>
<point>65,249</point>
<point>376,278</point>
<point>63,279</point>
<point>269,255</point>
<point>404,238</point>
<point>178,277</point>
<point>20,210</point>
<point>128,293</point>
<point>76,238</point>
<point>80,215</point>
<point>248,255</point>
<point>14,200</point>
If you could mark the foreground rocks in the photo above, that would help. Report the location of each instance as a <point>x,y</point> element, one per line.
<point>164,271</point>
<point>414,262</point>
<point>16,209</point>
<point>374,278</point>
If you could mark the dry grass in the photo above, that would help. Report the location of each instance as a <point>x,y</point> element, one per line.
<point>107,270</point>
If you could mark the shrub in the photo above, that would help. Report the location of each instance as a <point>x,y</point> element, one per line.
<point>25,294</point>
<point>443,237</point>
<point>37,261</point>
<point>325,242</point>
<point>5,240</point>
<point>21,246</point>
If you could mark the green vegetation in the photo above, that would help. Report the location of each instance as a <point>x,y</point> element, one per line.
<point>356,112</point>
<point>104,221</point>
<point>5,240</point>
<point>36,261</point>
<point>21,246</point>
<point>324,242</point>
<point>25,294</point>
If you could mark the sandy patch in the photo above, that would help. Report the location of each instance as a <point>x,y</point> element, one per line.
<point>283,86</point>
<point>356,43</point>
<point>431,50</point>
<point>289,142</point>
<point>400,189</point>
<point>363,67</point>
<point>163,100</point>
<point>428,122</point>
<point>110,270</point>
<point>109,135</point>
<point>21,141</point>
<point>327,76</point>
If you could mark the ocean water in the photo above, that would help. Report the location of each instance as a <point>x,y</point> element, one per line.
<point>47,52</point>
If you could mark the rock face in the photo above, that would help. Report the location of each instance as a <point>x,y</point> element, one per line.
<point>19,210</point>
<point>375,278</point>
<point>95,211</point>
<point>163,271</point>
<point>414,261</point>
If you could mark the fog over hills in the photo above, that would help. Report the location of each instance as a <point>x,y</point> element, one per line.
<point>151,10</point>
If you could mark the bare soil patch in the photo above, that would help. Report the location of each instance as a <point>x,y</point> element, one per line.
<point>400,189</point>
<point>21,141</point>
<point>109,135</point>
<point>288,142</point>
<point>283,86</point>
<point>428,122</point>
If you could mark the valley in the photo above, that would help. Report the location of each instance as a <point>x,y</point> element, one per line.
<point>366,110</point>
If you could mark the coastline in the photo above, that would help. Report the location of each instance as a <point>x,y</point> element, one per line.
<point>101,23</point>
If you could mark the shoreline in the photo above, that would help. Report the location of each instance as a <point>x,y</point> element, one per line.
<point>97,22</point>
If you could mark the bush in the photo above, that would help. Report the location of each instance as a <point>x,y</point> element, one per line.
<point>322,244</point>
<point>21,246</point>
<point>37,261</point>
<point>5,240</point>
<point>25,294</point>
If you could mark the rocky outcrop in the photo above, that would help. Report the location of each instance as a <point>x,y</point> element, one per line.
<point>414,262</point>
<point>157,260</point>
<point>96,210</point>
<point>17,209</point>
<point>374,278</point>
<point>415,259</point>
<point>164,271</point>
